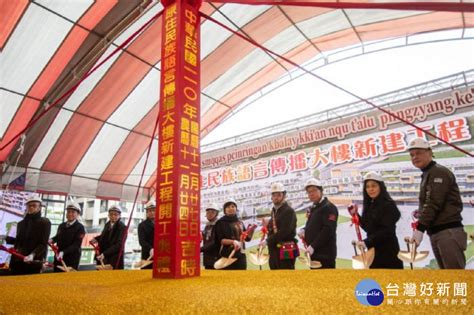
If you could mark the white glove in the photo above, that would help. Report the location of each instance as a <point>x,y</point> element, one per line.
<point>417,237</point>
<point>59,256</point>
<point>237,245</point>
<point>301,233</point>
<point>28,258</point>
<point>101,257</point>
<point>263,243</point>
<point>310,250</point>
<point>151,252</point>
<point>361,245</point>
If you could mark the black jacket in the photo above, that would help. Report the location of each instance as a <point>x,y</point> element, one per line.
<point>31,238</point>
<point>440,201</point>
<point>230,227</point>
<point>146,236</point>
<point>379,220</point>
<point>286,226</point>
<point>69,240</point>
<point>209,248</point>
<point>320,232</point>
<point>110,241</point>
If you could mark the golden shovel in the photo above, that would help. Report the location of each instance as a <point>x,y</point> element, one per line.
<point>357,260</point>
<point>411,255</point>
<point>313,264</point>
<point>258,258</point>
<point>143,263</point>
<point>225,261</point>
<point>103,267</point>
<point>64,267</point>
<point>364,260</point>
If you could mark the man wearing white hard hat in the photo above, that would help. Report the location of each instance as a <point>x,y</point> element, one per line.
<point>146,233</point>
<point>69,238</point>
<point>281,231</point>
<point>110,240</point>
<point>440,208</point>
<point>320,229</point>
<point>210,249</point>
<point>31,239</point>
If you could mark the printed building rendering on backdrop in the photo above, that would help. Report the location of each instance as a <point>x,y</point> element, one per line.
<point>12,209</point>
<point>339,153</point>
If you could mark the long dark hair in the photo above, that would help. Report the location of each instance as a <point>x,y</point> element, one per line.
<point>382,198</point>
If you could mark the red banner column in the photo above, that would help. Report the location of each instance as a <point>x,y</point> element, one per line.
<point>177,236</point>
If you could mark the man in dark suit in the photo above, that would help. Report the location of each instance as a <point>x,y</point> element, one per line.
<point>31,240</point>
<point>320,229</point>
<point>69,239</point>
<point>209,249</point>
<point>110,240</point>
<point>146,233</point>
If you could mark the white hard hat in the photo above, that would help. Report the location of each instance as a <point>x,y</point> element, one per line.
<point>150,205</point>
<point>313,182</point>
<point>34,198</point>
<point>373,176</point>
<point>419,143</point>
<point>229,201</point>
<point>73,205</point>
<point>213,206</point>
<point>278,187</point>
<point>115,208</point>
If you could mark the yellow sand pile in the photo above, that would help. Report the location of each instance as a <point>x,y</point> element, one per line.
<point>224,292</point>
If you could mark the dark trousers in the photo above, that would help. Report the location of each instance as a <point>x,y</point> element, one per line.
<point>327,264</point>
<point>448,247</point>
<point>18,267</point>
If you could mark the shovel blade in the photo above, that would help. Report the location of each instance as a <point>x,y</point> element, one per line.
<point>224,262</point>
<point>369,257</point>
<point>104,267</point>
<point>66,269</point>
<point>146,263</point>
<point>421,255</point>
<point>142,263</point>
<point>405,256</point>
<point>315,264</point>
<point>304,260</point>
<point>358,262</point>
<point>258,260</point>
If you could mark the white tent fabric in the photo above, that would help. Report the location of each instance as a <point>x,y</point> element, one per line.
<point>94,142</point>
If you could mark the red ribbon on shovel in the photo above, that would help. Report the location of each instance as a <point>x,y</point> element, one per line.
<point>13,252</point>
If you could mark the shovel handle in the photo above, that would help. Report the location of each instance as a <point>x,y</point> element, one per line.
<point>66,269</point>
<point>354,244</point>
<point>359,235</point>
<point>407,241</point>
<point>232,253</point>
<point>308,256</point>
